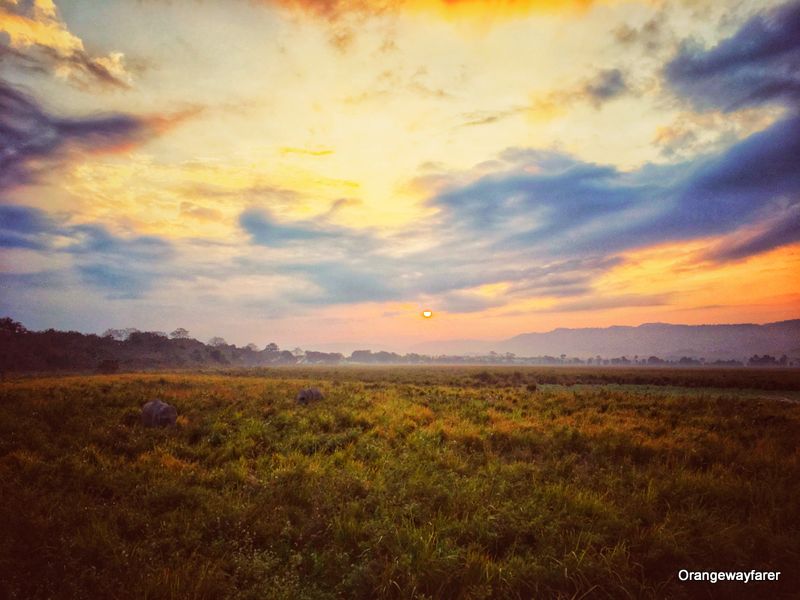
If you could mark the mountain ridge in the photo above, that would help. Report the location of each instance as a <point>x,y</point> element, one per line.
<point>670,340</point>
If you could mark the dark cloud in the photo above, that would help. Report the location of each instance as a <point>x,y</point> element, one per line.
<point>265,230</point>
<point>23,227</point>
<point>782,229</point>
<point>29,135</point>
<point>121,266</point>
<point>597,89</point>
<point>729,189</point>
<point>606,85</point>
<point>651,35</point>
<point>547,205</point>
<point>758,64</point>
<point>97,241</point>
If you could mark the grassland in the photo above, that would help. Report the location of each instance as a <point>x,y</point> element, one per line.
<point>402,483</point>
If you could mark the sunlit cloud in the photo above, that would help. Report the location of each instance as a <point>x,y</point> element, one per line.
<point>336,9</point>
<point>38,39</point>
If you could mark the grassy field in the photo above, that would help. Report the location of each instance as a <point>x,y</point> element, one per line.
<point>402,483</point>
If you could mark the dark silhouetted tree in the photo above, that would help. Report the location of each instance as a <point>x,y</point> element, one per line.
<point>9,325</point>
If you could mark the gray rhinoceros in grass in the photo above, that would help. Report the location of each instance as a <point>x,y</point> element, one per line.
<point>158,414</point>
<point>309,395</point>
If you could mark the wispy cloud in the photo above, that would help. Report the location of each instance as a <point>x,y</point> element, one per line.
<point>31,139</point>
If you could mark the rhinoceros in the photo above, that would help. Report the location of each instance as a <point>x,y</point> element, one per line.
<point>309,395</point>
<point>158,414</point>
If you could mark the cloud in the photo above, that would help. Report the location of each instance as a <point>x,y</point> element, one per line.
<point>466,302</point>
<point>548,205</point>
<point>257,192</point>
<point>119,281</point>
<point>778,230</point>
<point>692,133</point>
<point>97,241</point>
<point>489,117</point>
<point>392,82</point>
<point>652,35</point>
<point>340,282</point>
<point>265,230</point>
<point>29,135</point>
<point>307,151</point>
<point>333,10</point>
<point>23,227</point>
<point>121,266</point>
<point>201,213</point>
<point>757,65</point>
<point>606,85</point>
<point>599,88</point>
<point>33,36</point>
<point>341,204</point>
<point>606,302</point>
<point>345,18</point>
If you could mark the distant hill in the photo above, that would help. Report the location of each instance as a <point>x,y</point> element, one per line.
<point>713,342</point>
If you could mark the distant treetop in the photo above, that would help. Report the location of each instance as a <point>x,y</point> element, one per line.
<point>179,334</point>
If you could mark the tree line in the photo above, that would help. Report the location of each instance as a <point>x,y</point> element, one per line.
<point>132,349</point>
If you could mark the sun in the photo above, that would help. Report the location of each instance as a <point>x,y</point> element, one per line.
<point>427,314</point>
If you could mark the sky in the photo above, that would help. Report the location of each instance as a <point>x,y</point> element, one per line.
<point>318,173</point>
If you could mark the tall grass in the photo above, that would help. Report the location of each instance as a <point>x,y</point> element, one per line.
<point>394,487</point>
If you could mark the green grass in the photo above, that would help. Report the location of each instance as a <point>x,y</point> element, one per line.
<point>402,483</point>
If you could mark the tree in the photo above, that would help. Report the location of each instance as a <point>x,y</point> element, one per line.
<point>272,347</point>
<point>108,366</point>
<point>361,356</point>
<point>298,352</point>
<point>9,325</point>
<point>179,334</point>
<point>252,347</point>
<point>323,357</point>
<point>217,341</point>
